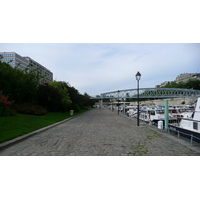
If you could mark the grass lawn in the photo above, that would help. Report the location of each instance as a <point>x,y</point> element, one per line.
<point>14,126</point>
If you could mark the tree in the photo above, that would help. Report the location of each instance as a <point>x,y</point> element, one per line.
<point>65,101</point>
<point>87,101</point>
<point>190,84</point>
<point>49,97</point>
<point>18,85</point>
<point>75,97</point>
<point>54,97</point>
<point>24,87</point>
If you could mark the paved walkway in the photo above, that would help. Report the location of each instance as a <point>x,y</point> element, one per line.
<point>101,132</point>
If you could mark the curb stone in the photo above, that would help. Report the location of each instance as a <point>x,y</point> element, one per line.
<point>27,135</point>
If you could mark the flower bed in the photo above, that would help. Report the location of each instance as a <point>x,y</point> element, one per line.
<point>30,109</point>
<point>4,105</point>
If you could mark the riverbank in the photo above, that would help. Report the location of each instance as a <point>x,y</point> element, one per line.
<point>99,132</point>
<point>15,126</point>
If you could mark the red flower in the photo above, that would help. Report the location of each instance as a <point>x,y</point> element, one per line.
<point>7,103</point>
<point>3,97</point>
<point>5,100</point>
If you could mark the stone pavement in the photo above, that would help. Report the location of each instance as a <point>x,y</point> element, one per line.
<point>101,132</point>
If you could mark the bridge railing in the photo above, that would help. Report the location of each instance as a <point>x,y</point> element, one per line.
<point>151,93</point>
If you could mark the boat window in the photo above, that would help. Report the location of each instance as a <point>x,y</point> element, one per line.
<point>185,110</point>
<point>151,112</point>
<point>159,111</point>
<point>195,125</point>
<point>173,111</point>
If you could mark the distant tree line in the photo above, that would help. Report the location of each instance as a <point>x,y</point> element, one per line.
<point>190,84</point>
<point>23,87</point>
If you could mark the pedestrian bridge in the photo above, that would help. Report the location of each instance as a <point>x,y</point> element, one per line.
<point>149,93</point>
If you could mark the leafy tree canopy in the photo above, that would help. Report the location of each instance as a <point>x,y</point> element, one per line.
<point>190,84</point>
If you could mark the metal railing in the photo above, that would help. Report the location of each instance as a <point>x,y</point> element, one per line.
<point>179,133</point>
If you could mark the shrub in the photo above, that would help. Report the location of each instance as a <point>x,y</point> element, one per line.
<point>29,109</point>
<point>4,105</point>
<point>75,107</point>
<point>53,98</point>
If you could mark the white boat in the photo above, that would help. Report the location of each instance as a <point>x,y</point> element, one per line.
<point>184,112</point>
<point>189,125</point>
<point>155,114</point>
<point>131,111</point>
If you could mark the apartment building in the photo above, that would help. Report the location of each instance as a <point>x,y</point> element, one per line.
<point>45,74</point>
<point>15,60</point>
<point>187,76</point>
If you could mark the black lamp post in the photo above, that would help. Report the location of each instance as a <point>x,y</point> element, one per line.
<point>138,76</point>
<point>118,101</point>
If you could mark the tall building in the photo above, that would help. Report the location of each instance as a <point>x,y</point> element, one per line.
<point>15,60</point>
<point>45,74</point>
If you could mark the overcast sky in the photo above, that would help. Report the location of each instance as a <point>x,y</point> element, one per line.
<point>98,46</point>
<point>103,67</point>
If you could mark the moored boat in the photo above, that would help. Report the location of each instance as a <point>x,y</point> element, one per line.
<point>155,114</point>
<point>190,126</point>
<point>181,112</point>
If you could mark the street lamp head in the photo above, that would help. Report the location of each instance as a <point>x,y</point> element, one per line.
<point>138,76</point>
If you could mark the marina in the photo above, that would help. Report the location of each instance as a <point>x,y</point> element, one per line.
<point>182,120</point>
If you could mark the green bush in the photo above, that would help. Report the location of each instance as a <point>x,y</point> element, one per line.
<point>4,111</point>
<point>53,97</point>
<point>29,109</point>
<point>75,107</point>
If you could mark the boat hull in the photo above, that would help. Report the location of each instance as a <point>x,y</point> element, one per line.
<point>185,133</point>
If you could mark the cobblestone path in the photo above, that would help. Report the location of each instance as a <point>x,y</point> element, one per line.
<point>99,132</point>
